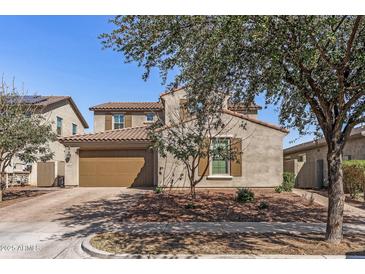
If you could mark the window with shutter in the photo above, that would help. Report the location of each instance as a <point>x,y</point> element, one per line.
<point>236,163</point>
<point>183,109</point>
<point>220,165</point>
<point>118,121</point>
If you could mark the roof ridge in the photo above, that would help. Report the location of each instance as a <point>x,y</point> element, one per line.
<point>137,102</point>
<point>105,131</point>
<point>254,120</point>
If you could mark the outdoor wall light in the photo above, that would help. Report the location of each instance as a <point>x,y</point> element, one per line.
<point>67,154</point>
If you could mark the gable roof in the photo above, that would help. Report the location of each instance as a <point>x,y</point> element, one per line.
<point>48,102</point>
<point>253,120</point>
<point>120,106</point>
<point>124,134</point>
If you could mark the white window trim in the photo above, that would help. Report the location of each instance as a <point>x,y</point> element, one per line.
<point>220,176</point>
<point>115,114</point>
<point>72,128</point>
<point>61,119</point>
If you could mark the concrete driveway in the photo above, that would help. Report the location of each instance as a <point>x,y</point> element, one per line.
<point>49,226</point>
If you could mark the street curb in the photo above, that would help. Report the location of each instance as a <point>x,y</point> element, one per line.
<point>100,254</point>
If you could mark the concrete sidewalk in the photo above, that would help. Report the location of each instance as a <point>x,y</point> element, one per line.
<point>323,201</point>
<point>233,227</point>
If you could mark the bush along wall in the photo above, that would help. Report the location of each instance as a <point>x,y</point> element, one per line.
<point>354,178</point>
<point>288,183</point>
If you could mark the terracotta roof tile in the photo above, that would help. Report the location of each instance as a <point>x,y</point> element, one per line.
<point>128,106</point>
<point>125,134</point>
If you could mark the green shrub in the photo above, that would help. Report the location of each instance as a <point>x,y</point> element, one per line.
<point>354,178</point>
<point>358,163</point>
<point>279,189</point>
<point>190,205</point>
<point>245,195</point>
<point>288,183</point>
<point>159,190</point>
<point>263,205</point>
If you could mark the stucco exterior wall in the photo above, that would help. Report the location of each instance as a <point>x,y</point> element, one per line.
<point>99,122</point>
<point>66,112</point>
<point>307,172</point>
<point>261,159</point>
<point>72,168</point>
<point>138,119</point>
<point>172,105</point>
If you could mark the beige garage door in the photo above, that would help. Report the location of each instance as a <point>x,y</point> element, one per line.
<point>116,168</point>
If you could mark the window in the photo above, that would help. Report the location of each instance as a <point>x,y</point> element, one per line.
<point>74,129</point>
<point>220,166</point>
<point>183,111</point>
<point>150,117</point>
<point>347,158</point>
<point>118,121</point>
<point>59,125</point>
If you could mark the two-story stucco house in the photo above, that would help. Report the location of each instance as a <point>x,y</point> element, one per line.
<point>66,120</point>
<point>118,153</point>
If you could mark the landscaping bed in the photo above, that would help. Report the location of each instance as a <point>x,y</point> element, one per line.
<point>220,205</point>
<point>237,243</point>
<point>17,194</point>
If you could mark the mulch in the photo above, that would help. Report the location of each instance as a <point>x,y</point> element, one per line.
<point>220,205</point>
<point>239,243</point>
<point>17,194</point>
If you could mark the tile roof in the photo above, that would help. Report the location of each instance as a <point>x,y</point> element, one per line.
<point>124,134</point>
<point>256,121</point>
<point>359,131</point>
<point>128,106</point>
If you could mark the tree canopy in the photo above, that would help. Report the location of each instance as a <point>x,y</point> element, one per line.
<point>311,66</point>
<point>24,132</point>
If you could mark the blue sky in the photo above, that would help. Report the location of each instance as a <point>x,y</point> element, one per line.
<point>61,55</point>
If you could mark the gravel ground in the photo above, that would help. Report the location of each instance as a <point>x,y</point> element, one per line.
<point>204,243</point>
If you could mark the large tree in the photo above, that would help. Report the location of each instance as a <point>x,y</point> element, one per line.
<point>312,66</point>
<point>24,133</point>
<point>193,140</point>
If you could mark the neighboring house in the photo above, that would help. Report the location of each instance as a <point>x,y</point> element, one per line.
<point>66,120</point>
<point>308,161</point>
<point>118,153</point>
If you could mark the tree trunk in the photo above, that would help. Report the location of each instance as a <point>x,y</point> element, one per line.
<point>336,197</point>
<point>2,184</point>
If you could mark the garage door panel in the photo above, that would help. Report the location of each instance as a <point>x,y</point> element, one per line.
<point>116,168</point>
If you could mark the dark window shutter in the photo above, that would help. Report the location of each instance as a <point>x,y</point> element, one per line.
<point>236,164</point>
<point>183,111</point>
<point>203,164</point>
<point>128,120</point>
<point>108,121</point>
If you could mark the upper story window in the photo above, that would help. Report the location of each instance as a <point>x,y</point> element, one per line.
<point>347,157</point>
<point>183,109</point>
<point>150,117</point>
<point>59,125</point>
<point>118,121</point>
<point>74,129</point>
<point>220,164</point>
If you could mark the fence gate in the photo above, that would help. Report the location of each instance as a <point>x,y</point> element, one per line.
<point>46,175</point>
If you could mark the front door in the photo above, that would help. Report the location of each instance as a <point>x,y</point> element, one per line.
<point>319,182</point>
